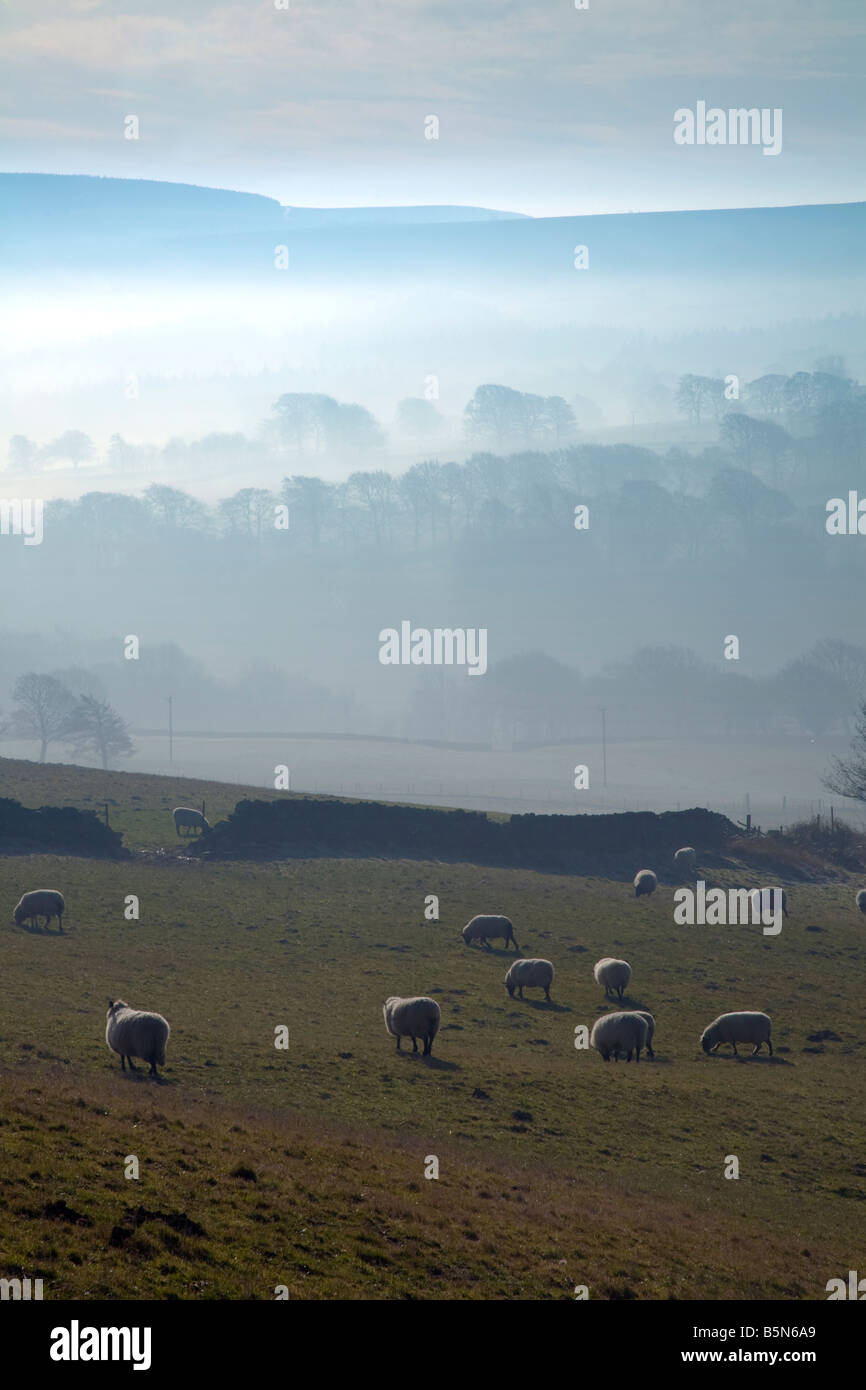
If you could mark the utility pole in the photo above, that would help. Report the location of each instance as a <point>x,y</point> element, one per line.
<point>603,748</point>
<point>170,731</point>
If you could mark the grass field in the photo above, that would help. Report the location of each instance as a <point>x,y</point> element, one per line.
<point>305,1167</point>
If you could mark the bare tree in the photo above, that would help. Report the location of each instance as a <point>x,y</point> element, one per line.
<point>44,707</point>
<point>96,728</point>
<point>848,777</point>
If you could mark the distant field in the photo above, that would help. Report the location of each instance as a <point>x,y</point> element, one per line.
<point>778,782</point>
<point>555,1168</point>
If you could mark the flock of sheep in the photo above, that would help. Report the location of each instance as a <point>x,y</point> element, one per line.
<point>629,1031</point>
<point>136,1033</point>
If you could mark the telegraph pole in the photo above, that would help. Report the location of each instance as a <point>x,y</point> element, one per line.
<point>170,731</point>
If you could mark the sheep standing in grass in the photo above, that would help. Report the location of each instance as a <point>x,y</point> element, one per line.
<point>41,902</point>
<point>765,900</point>
<point>861,900</point>
<point>193,820</point>
<point>613,974</point>
<point>620,1032</point>
<point>483,926</point>
<point>530,973</point>
<point>645,882</point>
<point>413,1018</point>
<point>738,1028</point>
<point>686,860</point>
<point>133,1033</point>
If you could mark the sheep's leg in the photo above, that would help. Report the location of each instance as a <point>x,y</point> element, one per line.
<point>122,1062</point>
<point>398,1042</point>
<point>547,994</point>
<point>649,1051</point>
<point>153,1070</point>
<point>770,1046</point>
<point>756,1050</point>
<point>734,1046</point>
<point>132,1066</point>
<point>414,1043</point>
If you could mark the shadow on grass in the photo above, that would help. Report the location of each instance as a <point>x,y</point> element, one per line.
<point>434,1063</point>
<point>547,1005</point>
<point>140,1076</point>
<point>759,1057</point>
<point>40,931</point>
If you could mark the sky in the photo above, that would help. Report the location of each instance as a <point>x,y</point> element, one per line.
<point>542,108</point>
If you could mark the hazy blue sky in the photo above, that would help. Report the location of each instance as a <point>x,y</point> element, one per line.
<point>542,108</point>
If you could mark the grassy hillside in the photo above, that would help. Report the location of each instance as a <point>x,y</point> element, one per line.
<point>547,1155</point>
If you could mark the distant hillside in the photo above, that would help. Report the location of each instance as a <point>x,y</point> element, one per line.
<point>103,225</point>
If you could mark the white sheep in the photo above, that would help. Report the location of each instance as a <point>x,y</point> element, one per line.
<point>645,882</point>
<point>193,820</point>
<point>765,900</point>
<point>529,973</point>
<point>613,974</point>
<point>133,1033</point>
<point>412,1018</point>
<point>650,1029</point>
<point>41,902</point>
<point>687,860</point>
<point>861,899</point>
<point>621,1032</point>
<point>733,1028</point>
<point>479,928</point>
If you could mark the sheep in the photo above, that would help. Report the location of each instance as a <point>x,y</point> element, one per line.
<point>132,1033</point>
<point>861,900</point>
<point>687,860</point>
<point>193,820</point>
<point>613,974</point>
<point>650,1029</point>
<point>412,1018</point>
<point>765,900</point>
<point>479,928</point>
<point>621,1032</point>
<point>532,973</point>
<point>645,882</point>
<point>41,902</point>
<point>733,1028</point>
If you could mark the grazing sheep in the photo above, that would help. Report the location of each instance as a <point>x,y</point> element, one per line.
<point>41,902</point>
<point>734,1028</point>
<point>650,1029</point>
<point>193,820</point>
<point>764,900</point>
<point>687,860</point>
<point>621,1032</point>
<point>412,1018</point>
<point>645,882</point>
<point>861,899</point>
<point>483,926</point>
<point>613,974</point>
<point>531,973</point>
<point>132,1033</point>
